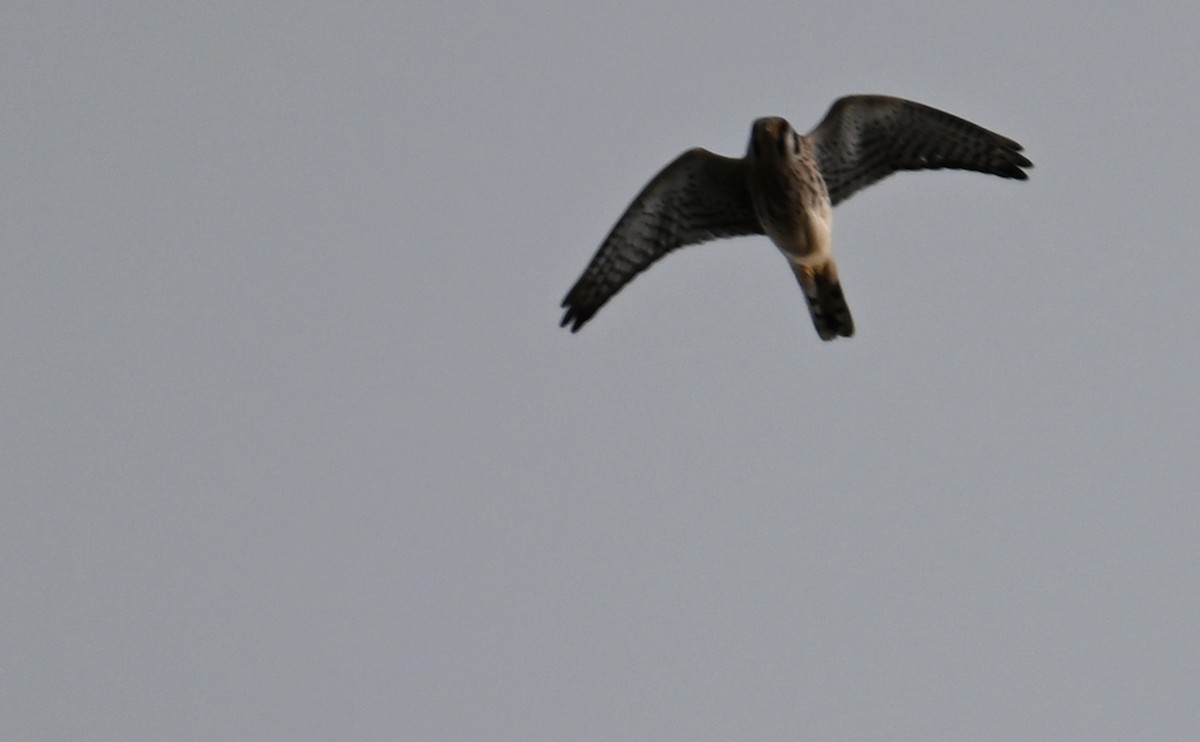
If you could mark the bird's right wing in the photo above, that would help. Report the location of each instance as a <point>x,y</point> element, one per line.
<point>700,196</point>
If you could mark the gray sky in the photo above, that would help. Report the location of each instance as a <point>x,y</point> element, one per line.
<point>294,449</point>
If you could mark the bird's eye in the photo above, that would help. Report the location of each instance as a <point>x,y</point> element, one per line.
<point>795,143</point>
<point>754,146</point>
<point>783,144</point>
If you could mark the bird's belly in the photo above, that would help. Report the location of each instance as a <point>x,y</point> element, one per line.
<point>796,215</point>
<point>807,240</point>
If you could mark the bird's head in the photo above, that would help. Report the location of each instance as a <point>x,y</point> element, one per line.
<point>772,138</point>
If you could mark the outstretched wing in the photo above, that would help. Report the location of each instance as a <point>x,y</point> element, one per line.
<point>865,138</point>
<point>698,197</point>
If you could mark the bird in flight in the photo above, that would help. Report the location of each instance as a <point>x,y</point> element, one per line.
<point>785,188</point>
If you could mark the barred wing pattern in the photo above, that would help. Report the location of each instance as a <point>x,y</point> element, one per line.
<point>699,197</point>
<point>865,138</point>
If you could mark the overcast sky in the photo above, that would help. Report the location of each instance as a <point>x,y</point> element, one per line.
<point>293,447</point>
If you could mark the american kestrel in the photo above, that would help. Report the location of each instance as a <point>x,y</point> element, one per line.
<point>786,187</point>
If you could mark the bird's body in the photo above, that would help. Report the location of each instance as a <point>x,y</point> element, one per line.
<point>788,192</point>
<point>792,206</point>
<point>785,188</point>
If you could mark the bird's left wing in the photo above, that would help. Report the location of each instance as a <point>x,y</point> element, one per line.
<point>700,196</point>
<point>864,138</point>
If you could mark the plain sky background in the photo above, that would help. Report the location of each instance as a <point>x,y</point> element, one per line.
<point>293,447</point>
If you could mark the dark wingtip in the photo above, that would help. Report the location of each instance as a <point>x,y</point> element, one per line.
<point>571,315</point>
<point>1011,161</point>
<point>575,317</point>
<point>1015,163</point>
<point>1015,172</point>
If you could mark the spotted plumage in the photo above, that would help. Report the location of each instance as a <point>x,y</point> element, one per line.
<point>785,188</point>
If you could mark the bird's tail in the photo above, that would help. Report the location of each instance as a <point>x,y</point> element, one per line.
<point>826,303</point>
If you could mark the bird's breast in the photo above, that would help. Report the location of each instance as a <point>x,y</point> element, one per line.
<point>793,208</point>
